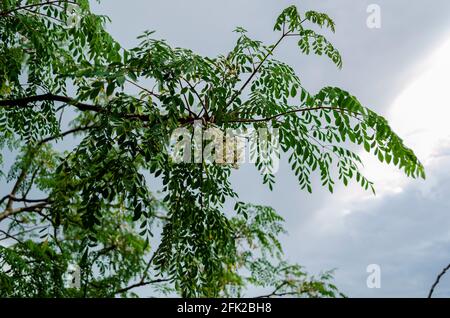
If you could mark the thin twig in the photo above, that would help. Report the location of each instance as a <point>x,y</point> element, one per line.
<point>65,133</point>
<point>143,88</point>
<point>298,110</point>
<point>205,109</point>
<point>269,53</point>
<point>11,236</point>
<point>140,284</point>
<point>438,278</point>
<point>2,14</point>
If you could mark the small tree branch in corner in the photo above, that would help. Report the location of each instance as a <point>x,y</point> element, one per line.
<point>438,278</point>
<point>140,284</point>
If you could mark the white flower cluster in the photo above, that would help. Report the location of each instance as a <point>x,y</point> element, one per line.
<point>229,147</point>
<point>216,146</point>
<point>73,16</point>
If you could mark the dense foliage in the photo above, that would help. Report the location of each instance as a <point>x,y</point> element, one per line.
<point>97,205</point>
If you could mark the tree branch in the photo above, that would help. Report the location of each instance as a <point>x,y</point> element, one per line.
<point>13,198</point>
<point>13,237</point>
<point>140,284</point>
<point>4,199</point>
<point>31,183</point>
<point>144,89</point>
<point>44,15</point>
<point>24,102</point>
<point>279,295</point>
<point>276,294</point>
<point>10,212</point>
<point>438,278</point>
<point>187,107</point>
<point>3,14</point>
<point>65,133</point>
<point>299,110</point>
<point>205,109</point>
<point>14,190</point>
<point>255,71</point>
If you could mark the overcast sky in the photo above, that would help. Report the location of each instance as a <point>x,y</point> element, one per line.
<point>400,70</point>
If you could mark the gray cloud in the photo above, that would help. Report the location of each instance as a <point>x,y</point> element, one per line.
<point>407,234</point>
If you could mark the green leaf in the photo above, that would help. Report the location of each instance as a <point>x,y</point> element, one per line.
<point>110,89</point>
<point>293,91</point>
<point>137,212</point>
